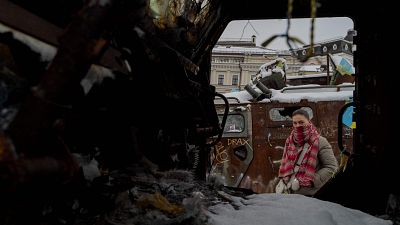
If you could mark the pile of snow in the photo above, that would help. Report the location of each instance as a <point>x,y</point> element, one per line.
<point>95,75</point>
<point>277,209</point>
<point>274,66</point>
<point>46,51</point>
<point>243,96</point>
<point>90,167</point>
<point>313,97</point>
<point>311,93</point>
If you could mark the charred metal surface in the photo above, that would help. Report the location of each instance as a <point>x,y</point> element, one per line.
<point>312,80</point>
<point>80,46</point>
<point>7,153</point>
<point>232,156</point>
<point>155,43</point>
<point>41,118</point>
<point>29,171</point>
<point>210,31</point>
<point>58,12</point>
<point>26,22</point>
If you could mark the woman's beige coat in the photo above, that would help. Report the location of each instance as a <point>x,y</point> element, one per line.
<point>326,167</point>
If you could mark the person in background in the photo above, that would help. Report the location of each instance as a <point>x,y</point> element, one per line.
<point>318,164</point>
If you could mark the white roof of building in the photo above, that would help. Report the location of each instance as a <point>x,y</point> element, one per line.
<point>242,50</point>
<point>310,68</point>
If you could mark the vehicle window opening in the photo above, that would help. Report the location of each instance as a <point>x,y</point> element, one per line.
<point>234,123</point>
<point>285,114</point>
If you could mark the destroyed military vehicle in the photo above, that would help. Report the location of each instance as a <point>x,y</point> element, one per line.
<point>258,122</point>
<point>249,153</point>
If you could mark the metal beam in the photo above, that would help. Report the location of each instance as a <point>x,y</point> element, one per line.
<point>28,23</point>
<point>22,20</point>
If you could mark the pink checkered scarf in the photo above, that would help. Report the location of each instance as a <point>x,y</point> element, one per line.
<point>300,136</point>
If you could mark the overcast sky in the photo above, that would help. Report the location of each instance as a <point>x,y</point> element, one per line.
<point>325,28</point>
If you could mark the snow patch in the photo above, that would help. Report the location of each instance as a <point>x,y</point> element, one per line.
<point>313,97</point>
<point>95,75</point>
<point>276,209</point>
<point>47,52</point>
<point>294,94</point>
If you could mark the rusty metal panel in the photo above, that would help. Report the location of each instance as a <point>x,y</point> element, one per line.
<point>327,125</point>
<point>229,165</point>
<point>322,80</point>
<point>345,79</point>
<point>258,173</point>
<point>232,155</point>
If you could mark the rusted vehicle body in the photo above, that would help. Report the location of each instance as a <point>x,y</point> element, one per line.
<point>249,154</point>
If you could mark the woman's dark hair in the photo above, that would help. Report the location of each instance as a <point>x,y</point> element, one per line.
<point>301,112</point>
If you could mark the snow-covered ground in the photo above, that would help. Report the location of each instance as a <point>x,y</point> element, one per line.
<point>278,209</point>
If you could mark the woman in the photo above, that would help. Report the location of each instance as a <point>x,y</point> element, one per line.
<point>318,162</point>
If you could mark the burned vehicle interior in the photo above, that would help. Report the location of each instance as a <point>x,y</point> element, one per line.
<point>129,86</point>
